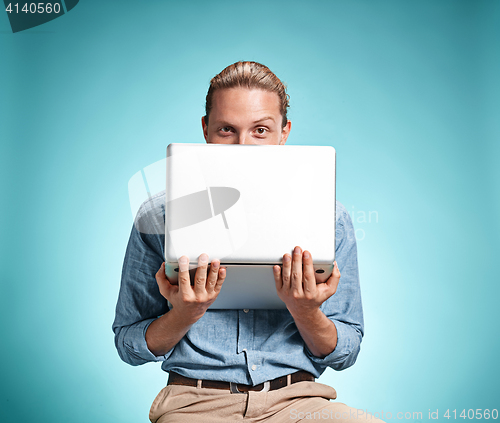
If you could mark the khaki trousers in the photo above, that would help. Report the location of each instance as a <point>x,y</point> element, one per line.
<point>302,401</point>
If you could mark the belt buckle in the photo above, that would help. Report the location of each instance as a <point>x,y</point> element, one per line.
<point>233,387</point>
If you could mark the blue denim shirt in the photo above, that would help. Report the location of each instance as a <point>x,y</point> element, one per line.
<point>241,346</point>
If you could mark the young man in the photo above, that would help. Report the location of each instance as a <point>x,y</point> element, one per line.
<point>253,365</point>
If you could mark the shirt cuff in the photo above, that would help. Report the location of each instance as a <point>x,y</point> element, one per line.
<point>136,345</point>
<point>342,350</point>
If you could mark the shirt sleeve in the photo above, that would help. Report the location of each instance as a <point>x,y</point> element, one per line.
<point>139,301</point>
<point>344,308</point>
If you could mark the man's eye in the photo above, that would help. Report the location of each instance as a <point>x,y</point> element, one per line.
<point>261,131</point>
<point>226,129</point>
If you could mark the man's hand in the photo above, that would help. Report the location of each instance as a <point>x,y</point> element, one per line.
<point>192,301</point>
<point>297,288</point>
<point>189,302</point>
<point>296,283</point>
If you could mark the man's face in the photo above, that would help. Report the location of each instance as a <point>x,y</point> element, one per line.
<point>245,116</point>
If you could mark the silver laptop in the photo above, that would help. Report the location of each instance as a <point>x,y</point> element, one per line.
<point>248,205</point>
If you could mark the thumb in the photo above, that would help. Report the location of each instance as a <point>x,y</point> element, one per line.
<point>333,281</point>
<point>163,283</point>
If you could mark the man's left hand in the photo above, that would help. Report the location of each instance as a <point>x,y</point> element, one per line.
<point>296,283</point>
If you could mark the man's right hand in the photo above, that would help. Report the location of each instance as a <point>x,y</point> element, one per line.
<point>192,301</point>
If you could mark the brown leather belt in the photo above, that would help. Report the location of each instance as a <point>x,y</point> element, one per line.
<point>280,382</point>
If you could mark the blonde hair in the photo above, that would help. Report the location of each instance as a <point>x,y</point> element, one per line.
<point>248,75</point>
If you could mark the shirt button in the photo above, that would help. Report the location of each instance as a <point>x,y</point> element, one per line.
<point>254,367</point>
<point>246,310</point>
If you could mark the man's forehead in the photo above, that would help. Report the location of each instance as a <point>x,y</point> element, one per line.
<point>237,103</point>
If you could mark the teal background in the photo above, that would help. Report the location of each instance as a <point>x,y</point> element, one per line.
<point>406,91</point>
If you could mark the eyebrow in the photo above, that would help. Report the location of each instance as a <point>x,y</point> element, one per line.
<point>264,118</point>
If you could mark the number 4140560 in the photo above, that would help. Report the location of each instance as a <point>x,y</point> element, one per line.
<point>471,414</point>
<point>34,8</point>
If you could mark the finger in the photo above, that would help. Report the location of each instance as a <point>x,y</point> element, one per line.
<point>220,279</point>
<point>212,275</point>
<point>160,276</point>
<point>333,281</point>
<point>164,285</point>
<point>309,275</point>
<point>336,270</point>
<point>296,276</point>
<point>286,271</point>
<point>277,277</point>
<point>184,280</point>
<point>201,275</point>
